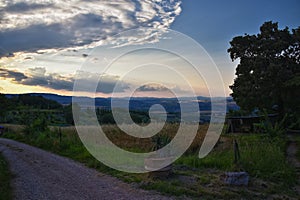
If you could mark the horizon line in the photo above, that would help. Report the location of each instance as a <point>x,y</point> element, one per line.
<point>125,97</point>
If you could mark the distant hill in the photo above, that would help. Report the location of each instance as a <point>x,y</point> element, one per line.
<point>137,103</point>
<point>64,100</point>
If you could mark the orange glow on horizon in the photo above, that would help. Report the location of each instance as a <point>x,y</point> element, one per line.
<point>8,87</point>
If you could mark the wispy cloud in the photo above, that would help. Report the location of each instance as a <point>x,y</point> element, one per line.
<point>33,25</point>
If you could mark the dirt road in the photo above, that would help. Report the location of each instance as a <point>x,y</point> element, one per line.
<point>38,174</point>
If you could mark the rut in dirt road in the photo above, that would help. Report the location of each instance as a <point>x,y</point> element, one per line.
<point>38,174</point>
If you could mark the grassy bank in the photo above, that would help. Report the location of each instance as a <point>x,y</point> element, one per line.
<point>261,156</point>
<point>5,177</point>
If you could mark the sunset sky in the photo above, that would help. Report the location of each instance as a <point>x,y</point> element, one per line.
<point>44,43</point>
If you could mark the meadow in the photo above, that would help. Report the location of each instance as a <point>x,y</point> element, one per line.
<point>262,156</point>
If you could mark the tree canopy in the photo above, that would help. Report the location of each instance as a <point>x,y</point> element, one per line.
<point>268,73</point>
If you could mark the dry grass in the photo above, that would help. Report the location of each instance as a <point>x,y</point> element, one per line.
<point>13,128</point>
<point>125,141</point>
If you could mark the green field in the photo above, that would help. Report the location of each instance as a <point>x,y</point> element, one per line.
<point>261,156</point>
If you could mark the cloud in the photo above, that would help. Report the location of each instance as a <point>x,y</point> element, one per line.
<point>152,88</point>
<point>160,88</point>
<point>39,77</point>
<point>24,7</point>
<point>58,24</point>
<point>10,74</point>
<point>34,38</point>
<point>104,83</point>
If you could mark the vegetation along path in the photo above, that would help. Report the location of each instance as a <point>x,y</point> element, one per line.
<point>292,157</point>
<point>38,174</point>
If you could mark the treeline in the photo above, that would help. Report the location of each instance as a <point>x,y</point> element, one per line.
<point>29,109</point>
<point>27,101</point>
<point>104,116</point>
<point>25,108</point>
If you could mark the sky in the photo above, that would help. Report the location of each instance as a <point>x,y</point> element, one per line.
<point>47,45</point>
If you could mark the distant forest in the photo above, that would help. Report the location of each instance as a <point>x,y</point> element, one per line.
<point>27,108</point>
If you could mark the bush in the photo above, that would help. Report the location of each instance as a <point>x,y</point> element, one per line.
<point>38,125</point>
<point>272,129</point>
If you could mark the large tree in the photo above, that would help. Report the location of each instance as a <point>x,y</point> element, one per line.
<point>268,73</point>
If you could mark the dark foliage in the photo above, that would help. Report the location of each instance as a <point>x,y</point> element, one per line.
<point>268,74</point>
<point>38,102</point>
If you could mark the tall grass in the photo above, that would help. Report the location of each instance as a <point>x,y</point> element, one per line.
<point>265,157</point>
<point>261,156</point>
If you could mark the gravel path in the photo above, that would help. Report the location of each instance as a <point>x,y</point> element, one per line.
<point>38,174</point>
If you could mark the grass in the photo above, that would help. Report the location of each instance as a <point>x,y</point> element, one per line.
<point>216,160</point>
<point>170,187</point>
<point>297,138</point>
<point>262,157</point>
<point>265,158</point>
<point>5,177</point>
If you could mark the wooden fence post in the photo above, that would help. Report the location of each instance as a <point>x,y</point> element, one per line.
<point>236,152</point>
